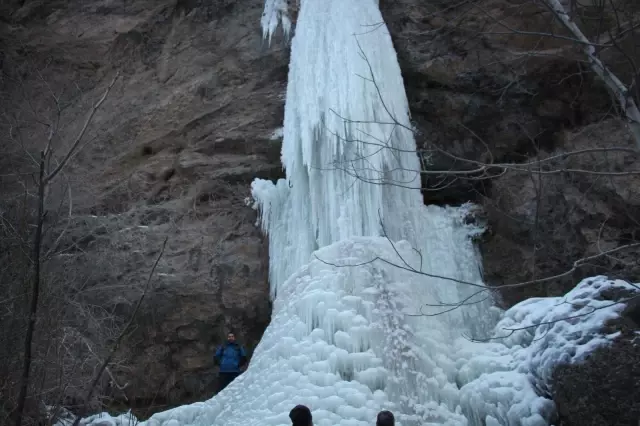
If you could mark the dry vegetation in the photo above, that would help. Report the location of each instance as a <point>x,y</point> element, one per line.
<point>55,331</point>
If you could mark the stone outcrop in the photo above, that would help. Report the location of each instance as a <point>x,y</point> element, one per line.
<point>508,98</point>
<point>603,389</point>
<point>170,154</point>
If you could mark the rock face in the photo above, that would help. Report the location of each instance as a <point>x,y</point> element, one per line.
<point>170,154</point>
<point>188,125</point>
<point>602,390</point>
<point>482,93</point>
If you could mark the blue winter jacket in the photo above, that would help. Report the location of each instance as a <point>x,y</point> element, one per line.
<point>231,357</point>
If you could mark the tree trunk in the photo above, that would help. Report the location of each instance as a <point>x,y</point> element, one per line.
<point>35,293</point>
<point>619,90</point>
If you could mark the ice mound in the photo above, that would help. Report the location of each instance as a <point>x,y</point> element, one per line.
<point>506,380</point>
<point>334,343</point>
<point>101,419</point>
<point>343,342</point>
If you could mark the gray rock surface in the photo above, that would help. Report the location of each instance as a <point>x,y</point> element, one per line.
<point>477,92</point>
<point>170,154</point>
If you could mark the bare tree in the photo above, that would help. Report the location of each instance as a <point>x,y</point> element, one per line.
<point>104,366</point>
<point>44,179</point>
<point>64,334</point>
<point>624,28</point>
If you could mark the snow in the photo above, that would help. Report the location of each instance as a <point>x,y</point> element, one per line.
<point>559,330</point>
<point>102,419</point>
<point>277,134</point>
<point>377,299</point>
<point>314,353</point>
<point>505,377</point>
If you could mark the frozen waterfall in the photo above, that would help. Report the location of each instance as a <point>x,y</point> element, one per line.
<point>375,295</point>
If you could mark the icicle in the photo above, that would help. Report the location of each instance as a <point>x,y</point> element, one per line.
<point>275,12</point>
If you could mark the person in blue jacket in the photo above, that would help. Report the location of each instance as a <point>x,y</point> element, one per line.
<point>231,358</point>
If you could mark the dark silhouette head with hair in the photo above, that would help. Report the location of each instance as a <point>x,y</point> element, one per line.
<point>385,418</point>
<point>300,416</point>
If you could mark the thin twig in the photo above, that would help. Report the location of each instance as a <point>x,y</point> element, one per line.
<point>116,345</point>
<point>82,131</point>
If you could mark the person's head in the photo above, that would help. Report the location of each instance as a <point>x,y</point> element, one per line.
<point>300,416</point>
<point>231,338</point>
<point>385,418</point>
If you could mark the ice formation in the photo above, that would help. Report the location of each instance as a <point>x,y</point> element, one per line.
<point>341,343</point>
<point>275,12</point>
<point>373,292</point>
<point>348,150</point>
<point>504,378</point>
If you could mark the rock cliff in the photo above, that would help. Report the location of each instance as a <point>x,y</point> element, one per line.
<point>170,154</point>
<point>481,92</point>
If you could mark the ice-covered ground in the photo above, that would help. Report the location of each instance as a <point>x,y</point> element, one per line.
<point>339,340</point>
<point>343,342</point>
<point>503,377</point>
<point>377,298</point>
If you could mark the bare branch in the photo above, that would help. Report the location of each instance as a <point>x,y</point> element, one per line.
<point>124,331</point>
<point>624,97</point>
<point>95,108</point>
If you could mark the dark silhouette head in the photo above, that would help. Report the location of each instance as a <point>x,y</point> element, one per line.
<point>231,338</point>
<point>385,418</point>
<point>300,416</point>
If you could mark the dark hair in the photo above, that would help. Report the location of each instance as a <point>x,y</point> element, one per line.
<point>300,416</point>
<point>385,418</point>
